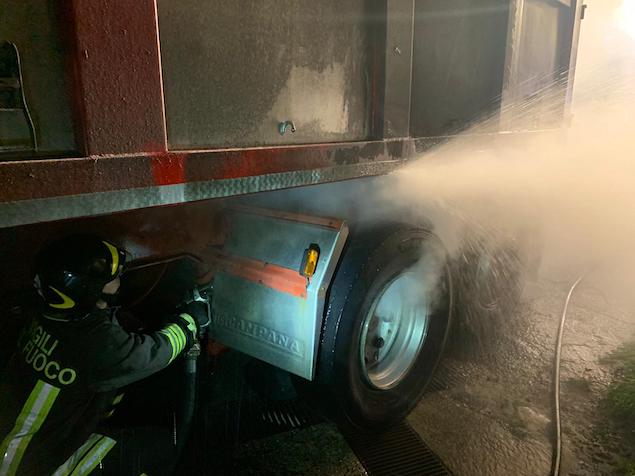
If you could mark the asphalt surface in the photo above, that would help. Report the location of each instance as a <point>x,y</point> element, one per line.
<point>490,411</point>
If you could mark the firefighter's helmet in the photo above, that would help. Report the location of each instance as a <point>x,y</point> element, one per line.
<point>70,273</point>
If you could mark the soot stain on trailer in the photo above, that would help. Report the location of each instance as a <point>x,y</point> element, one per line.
<point>233,70</point>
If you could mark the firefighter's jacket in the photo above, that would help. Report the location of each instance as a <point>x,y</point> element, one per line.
<point>62,379</point>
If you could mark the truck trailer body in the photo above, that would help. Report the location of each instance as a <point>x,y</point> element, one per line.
<point>144,121</point>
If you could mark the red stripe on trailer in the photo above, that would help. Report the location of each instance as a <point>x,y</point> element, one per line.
<point>42,178</point>
<point>169,169</point>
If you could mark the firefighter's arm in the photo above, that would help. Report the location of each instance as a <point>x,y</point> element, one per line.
<point>129,357</point>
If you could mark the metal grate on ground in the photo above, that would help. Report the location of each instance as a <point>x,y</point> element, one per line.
<point>251,420</point>
<point>398,452</point>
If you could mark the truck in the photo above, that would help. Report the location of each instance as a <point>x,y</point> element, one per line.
<point>162,124</point>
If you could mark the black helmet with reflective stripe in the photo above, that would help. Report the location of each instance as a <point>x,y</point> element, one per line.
<point>70,273</point>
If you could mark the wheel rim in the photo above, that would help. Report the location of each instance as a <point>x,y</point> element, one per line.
<point>394,331</point>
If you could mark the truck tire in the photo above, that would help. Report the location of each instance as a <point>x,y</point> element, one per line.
<point>488,289</point>
<point>387,318</point>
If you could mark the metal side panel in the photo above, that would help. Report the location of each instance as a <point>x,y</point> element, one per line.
<point>235,72</point>
<point>262,305</point>
<point>541,50</point>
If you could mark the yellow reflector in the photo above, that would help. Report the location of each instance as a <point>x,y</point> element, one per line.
<point>309,264</point>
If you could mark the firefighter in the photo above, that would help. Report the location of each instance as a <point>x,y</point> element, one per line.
<point>72,361</point>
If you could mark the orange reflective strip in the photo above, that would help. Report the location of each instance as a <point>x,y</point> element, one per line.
<point>326,222</point>
<point>284,280</point>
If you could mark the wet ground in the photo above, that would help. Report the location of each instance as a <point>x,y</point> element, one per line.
<point>490,409</point>
<point>491,412</point>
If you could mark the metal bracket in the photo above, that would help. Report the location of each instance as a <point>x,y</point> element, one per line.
<point>283,126</point>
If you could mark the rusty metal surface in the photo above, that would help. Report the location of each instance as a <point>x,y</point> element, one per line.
<point>118,76</point>
<point>459,52</point>
<point>234,70</point>
<point>30,179</point>
<point>47,190</point>
<point>72,206</point>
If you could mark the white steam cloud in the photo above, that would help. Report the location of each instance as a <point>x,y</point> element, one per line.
<point>573,188</point>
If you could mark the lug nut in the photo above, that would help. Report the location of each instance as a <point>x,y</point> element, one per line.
<point>378,342</point>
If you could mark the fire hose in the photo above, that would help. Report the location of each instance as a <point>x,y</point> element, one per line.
<point>555,470</point>
<point>202,294</point>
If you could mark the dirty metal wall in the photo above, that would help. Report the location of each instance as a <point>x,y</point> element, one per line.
<point>233,70</point>
<point>118,76</point>
<point>459,57</point>
<point>34,27</point>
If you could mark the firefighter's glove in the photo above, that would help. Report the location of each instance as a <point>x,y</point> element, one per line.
<point>198,311</point>
<point>188,325</point>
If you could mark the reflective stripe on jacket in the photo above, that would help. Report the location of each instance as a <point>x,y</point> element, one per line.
<point>63,379</point>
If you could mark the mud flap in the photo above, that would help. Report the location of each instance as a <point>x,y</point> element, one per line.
<point>263,304</point>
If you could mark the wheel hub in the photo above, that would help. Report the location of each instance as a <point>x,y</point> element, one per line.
<point>394,331</point>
